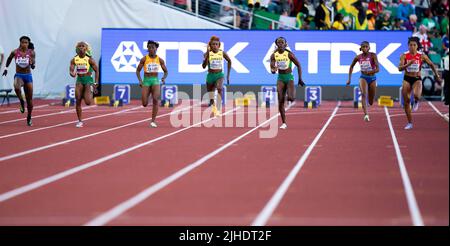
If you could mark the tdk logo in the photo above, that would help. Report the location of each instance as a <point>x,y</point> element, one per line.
<point>127,57</point>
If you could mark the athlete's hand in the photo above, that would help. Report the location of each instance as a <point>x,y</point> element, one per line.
<point>348,83</point>
<point>438,79</point>
<point>228,80</point>
<point>163,81</point>
<point>140,84</point>
<point>5,72</point>
<point>33,66</point>
<point>301,83</point>
<point>273,70</point>
<point>409,63</point>
<point>95,91</point>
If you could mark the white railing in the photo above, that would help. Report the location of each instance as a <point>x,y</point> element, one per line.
<point>205,13</point>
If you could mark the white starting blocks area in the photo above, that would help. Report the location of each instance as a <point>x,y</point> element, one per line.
<point>169,97</point>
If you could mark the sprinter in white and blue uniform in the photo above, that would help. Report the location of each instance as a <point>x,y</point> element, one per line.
<point>24,58</point>
<point>368,62</point>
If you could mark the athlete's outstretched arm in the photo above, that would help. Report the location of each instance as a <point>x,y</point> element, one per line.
<point>138,70</point>
<point>72,68</point>
<point>350,70</point>
<point>164,68</point>
<point>432,66</point>
<point>33,59</point>
<point>227,58</point>
<point>377,66</point>
<point>273,68</point>
<point>299,68</point>
<point>205,58</point>
<point>8,61</point>
<point>95,68</point>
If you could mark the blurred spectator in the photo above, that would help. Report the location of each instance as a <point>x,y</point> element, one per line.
<point>274,6</point>
<point>309,5</point>
<point>420,7</point>
<point>286,22</point>
<point>322,17</point>
<point>384,23</point>
<point>398,25</point>
<point>338,23</point>
<point>229,15</point>
<point>265,4</point>
<point>424,40</point>
<point>444,25</point>
<point>253,3</point>
<point>376,6</point>
<point>370,20</point>
<point>404,10</point>
<point>360,16</point>
<point>428,21</point>
<point>445,42</point>
<point>410,25</point>
<point>183,4</point>
<point>297,6</point>
<point>439,9</point>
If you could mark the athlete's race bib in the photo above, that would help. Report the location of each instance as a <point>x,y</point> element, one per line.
<point>366,66</point>
<point>23,62</point>
<point>152,68</point>
<point>413,68</point>
<point>283,65</point>
<point>82,69</point>
<point>215,64</point>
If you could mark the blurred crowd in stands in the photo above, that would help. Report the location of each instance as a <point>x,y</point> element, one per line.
<point>427,19</point>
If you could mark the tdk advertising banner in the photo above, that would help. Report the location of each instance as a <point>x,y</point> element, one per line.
<point>325,56</point>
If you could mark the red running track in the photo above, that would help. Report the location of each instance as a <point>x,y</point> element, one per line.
<point>351,176</point>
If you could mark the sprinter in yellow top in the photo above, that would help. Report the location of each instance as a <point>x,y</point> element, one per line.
<point>82,66</point>
<point>151,64</point>
<point>282,60</point>
<point>213,58</point>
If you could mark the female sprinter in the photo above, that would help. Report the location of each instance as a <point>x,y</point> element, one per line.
<point>81,66</point>
<point>282,60</point>
<point>213,58</point>
<point>411,61</point>
<point>367,81</point>
<point>25,60</point>
<point>150,84</point>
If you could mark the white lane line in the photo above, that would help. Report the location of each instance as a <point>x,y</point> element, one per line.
<point>410,197</point>
<point>17,110</point>
<point>37,184</point>
<point>67,123</point>
<point>438,112</point>
<point>22,153</point>
<point>143,195</point>
<point>44,115</point>
<point>273,203</point>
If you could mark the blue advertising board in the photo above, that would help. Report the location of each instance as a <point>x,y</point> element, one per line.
<point>325,56</point>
